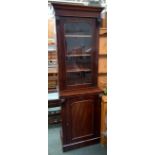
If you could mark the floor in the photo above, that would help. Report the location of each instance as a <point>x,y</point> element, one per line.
<point>54,145</point>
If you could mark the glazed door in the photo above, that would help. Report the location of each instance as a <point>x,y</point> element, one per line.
<point>78,52</point>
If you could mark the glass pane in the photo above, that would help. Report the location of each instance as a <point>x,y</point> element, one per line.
<point>78,28</point>
<point>80,63</point>
<point>76,78</point>
<point>78,45</point>
<point>78,40</point>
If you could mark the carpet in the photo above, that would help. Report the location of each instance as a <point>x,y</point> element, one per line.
<point>55,147</point>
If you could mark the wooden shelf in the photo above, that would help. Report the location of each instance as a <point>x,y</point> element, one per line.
<point>54,88</point>
<point>78,55</point>
<point>103,55</point>
<point>52,70</point>
<point>80,83</point>
<point>53,78</point>
<point>102,73</point>
<point>79,36</point>
<point>78,70</point>
<point>103,28</point>
<point>103,31</point>
<point>52,74</point>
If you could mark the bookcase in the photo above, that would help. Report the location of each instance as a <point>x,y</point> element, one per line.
<point>77,30</point>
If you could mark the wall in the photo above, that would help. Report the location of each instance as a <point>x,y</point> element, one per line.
<point>102,76</point>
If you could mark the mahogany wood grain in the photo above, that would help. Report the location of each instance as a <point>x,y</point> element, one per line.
<point>76,10</point>
<point>81,121</point>
<point>103,120</point>
<point>81,108</point>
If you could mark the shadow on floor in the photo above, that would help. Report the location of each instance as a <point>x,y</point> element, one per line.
<point>54,145</point>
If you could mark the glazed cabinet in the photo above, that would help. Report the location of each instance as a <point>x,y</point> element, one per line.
<point>78,57</point>
<point>77,30</point>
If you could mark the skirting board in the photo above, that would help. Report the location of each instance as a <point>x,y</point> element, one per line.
<point>80,144</point>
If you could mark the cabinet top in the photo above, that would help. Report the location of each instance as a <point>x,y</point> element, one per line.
<point>63,9</point>
<point>88,91</point>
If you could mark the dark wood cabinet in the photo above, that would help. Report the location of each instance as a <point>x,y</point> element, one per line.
<point>77,43</point>
<point>82,121</point>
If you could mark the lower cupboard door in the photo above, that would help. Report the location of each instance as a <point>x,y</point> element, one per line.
<point>84,118</point>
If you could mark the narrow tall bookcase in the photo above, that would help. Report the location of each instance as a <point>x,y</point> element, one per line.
<point>80,98</point>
